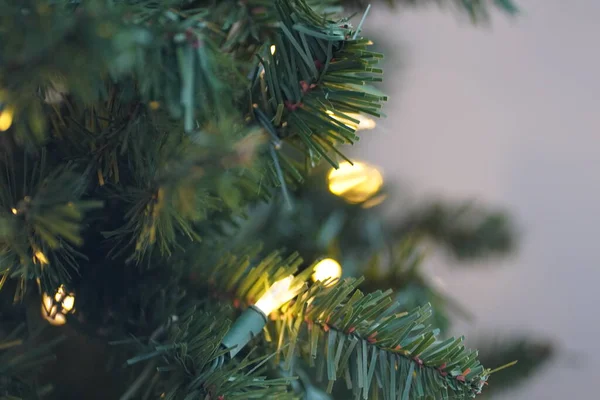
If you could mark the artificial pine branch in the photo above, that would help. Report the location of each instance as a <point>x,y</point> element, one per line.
<point>185,186</point>
<point>184,359</point>
<point>312,78</point>
<point>42,212</point>
<point>150,109</point>
<point>468,231</point>
<point>20,359</point>
<point>362,338</point>
<point>404,274</point>
<point>114,121</point>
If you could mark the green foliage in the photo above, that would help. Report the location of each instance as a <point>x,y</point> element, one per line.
<point>143,131</point>
<point>316,74</point>
<point>378,342</point>
<point>365,339</point>
<point>468,231</point>
<point>20,359</point>
<point>388,251</point>
<point>160,125</point>
<point>183,359</point>
<point>412,287</point>
<point>532,354</point>
<point>353,233</point>
<point>42,210</point>
<point>245,281</point>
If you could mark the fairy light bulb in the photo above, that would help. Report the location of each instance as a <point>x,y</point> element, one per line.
<point>327,270</point>
<point>252,321</point>
<point>41,257</point>
<point>6,119</point>
<point>56,91</point>
<point>355,183</point>
<point>55,308</point>
<point>278,294</point>
<point>273,49</point>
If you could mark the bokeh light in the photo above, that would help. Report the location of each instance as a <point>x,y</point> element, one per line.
<point>327,269</point>
<point>355,183</point>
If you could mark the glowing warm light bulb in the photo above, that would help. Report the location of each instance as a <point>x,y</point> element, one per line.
<point>6,119</point>
<point>252,321</point>
<point>355,183</point>
<point>328,270</point>
<point>374,201</point>
<point>273,48</point>
<point>14,210</point>
<point>55,92</point>
<point>278,294</point>
<point>41,257</point>
<point>55,309</point>
<point>364,123</point>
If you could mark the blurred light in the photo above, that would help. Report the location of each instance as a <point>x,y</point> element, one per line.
<point>41,257</point>
<point>328,270</point>
<point>374,201</point>
<point>439,282</point>
<point>273,48</point>
<point>355,183</point>
<point>6,119</point>
<point>278,294</point>
<point>364,123</point>
<point>55,92</point>
<point>14,210</point>
<point>154,105</point>
<point>67,300</point>
<point>55,309</point>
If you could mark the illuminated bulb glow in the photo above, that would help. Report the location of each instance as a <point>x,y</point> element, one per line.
<point>273,48</point>
<point>14,210</point>
<point>355,183</point>
<point>41,257</point>
<point>67,301</point>
<point>374,201</point>
<point>54,310</point>
<point>364,123</point>
<point>327,270</point>
<point>6,119</point>
<point>278,294</point>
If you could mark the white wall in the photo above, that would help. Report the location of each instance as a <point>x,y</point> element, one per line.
<point>509,114</point>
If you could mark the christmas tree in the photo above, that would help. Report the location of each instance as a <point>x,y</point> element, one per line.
<point>178,221</point>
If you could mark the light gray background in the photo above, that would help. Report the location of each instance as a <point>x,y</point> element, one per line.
<point>508,114</point>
